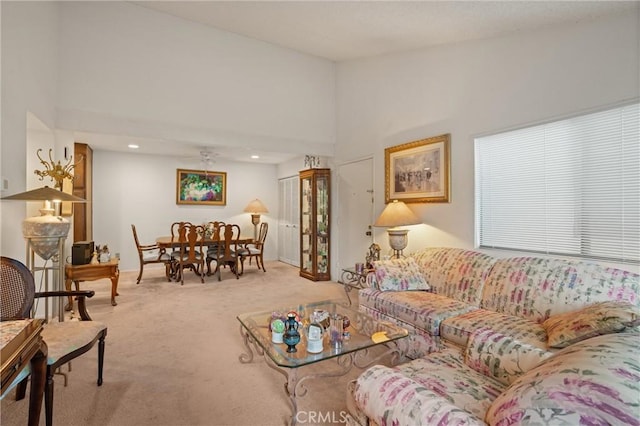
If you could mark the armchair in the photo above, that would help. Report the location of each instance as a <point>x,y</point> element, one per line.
<point>151,253</point>
<point>255,249</point>
<point>65,340</point>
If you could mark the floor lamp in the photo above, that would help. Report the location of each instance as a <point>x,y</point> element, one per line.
<point>46,234</point>
<point>255,207</point>
<point>395,215</point>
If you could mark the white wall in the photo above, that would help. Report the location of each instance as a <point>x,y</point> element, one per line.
<point>29,72</point>
<point>126,69</point>
<point>478,87</point>
<point>141,190</point>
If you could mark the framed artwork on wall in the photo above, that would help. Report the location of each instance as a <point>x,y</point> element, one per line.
<point>418,172</point>
<point>201,187</point>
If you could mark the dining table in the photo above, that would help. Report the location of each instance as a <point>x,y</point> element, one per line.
<point>167,242</point>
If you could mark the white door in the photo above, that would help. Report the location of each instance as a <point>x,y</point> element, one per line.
<point>289,217</point>
<point>355,212</point>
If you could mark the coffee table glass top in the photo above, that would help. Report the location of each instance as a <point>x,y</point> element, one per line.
<point>363,329</point>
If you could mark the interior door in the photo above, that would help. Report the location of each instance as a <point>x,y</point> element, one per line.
<point>288,219</point>
<point>355,212</point>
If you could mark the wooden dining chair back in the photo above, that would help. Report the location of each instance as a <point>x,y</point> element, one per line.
<point>190,253</point>
<point>255,249</point>
<point>65,340</point>
<point>150,253</point>
<point>226,251</point>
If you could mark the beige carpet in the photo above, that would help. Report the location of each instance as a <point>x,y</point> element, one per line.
<point>172,356</point>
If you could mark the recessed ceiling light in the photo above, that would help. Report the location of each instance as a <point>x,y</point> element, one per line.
<point>133,146</point>
<point>255,157</point>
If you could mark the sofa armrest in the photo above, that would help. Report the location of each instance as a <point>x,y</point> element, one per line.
<point>386,396</point>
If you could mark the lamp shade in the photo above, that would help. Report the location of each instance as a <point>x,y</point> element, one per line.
<point>256,206</point>
<point>44,194</point>
<point>44,232</point>
<point>395,214</point>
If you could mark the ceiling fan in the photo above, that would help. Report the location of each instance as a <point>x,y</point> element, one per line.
<point>206,159</point>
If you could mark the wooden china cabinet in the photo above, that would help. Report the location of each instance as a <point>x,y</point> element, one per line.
<point>83,188</point>
<point>315,214</point>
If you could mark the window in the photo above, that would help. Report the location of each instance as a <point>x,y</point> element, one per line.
<point>569,187</point>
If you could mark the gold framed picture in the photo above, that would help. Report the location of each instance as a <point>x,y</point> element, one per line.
<point>201,187</point>
<point>418,172</point>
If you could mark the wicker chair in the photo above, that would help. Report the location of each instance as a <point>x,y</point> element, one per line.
<point>65,340</point>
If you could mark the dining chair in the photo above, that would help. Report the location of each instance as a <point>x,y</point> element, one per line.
<point>226,252</point>
<point>151,253</point>
<point>65,340</point>
<point>190,253</point>
<point>255,249</point>
<point>212,232</point>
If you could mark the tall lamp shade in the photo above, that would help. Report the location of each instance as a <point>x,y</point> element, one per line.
<point>46,234</point>
<point>395,215</point>
<point>255,207</point>
<point>44,231</point>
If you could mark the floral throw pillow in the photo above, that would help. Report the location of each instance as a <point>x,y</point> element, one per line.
<point>399,274</point>
<point>600,318</point>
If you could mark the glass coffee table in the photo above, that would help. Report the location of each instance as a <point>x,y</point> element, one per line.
<point>364,333</point>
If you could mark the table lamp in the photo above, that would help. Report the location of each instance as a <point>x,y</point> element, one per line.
<point>255,207</point>
<point>394,215</point>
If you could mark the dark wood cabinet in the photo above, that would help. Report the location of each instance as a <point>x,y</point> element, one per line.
<point>315,216</point>
<point>83,187</point>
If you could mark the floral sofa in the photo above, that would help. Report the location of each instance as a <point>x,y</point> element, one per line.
<point>502,341</point>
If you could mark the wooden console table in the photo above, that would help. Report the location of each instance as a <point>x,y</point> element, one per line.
<point>21,343</point>
<point>79,273</point>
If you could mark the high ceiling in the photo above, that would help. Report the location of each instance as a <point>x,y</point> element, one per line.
<point>347,30</point>
<point>344,30</point>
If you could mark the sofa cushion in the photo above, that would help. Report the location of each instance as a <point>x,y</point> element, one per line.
<point>594,382</point>
<point>399,274</point>
<point>537,288</point>
<point>600,318</point>
<point>417,344</point>
<point>458,329</point>
<point>437,389</point>
<point>501,357</point>
<point>422,309</point>
<point>453,272</point>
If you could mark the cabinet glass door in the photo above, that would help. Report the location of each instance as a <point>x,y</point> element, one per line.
<point>322,220</point>
<point>306,226</point>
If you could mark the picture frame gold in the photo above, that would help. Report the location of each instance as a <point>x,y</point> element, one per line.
<point>418,171</point>
<point>201,187</point>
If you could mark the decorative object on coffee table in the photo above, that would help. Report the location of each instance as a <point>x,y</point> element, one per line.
<point>291,335</point>
<point>315,333</point>
<point>277,330</point>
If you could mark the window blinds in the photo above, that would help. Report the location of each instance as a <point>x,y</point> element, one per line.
<point>568,187</point>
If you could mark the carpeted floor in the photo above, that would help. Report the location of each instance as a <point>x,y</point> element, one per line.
<point>172,356</point>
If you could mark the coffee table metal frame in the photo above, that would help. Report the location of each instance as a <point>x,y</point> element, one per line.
<point>254,329</point>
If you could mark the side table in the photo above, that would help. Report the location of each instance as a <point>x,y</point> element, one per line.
<point>352,279</point>
<point>79,273</point>
<point>22,344</point>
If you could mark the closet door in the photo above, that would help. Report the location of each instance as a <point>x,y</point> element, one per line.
<point>288,221</point>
